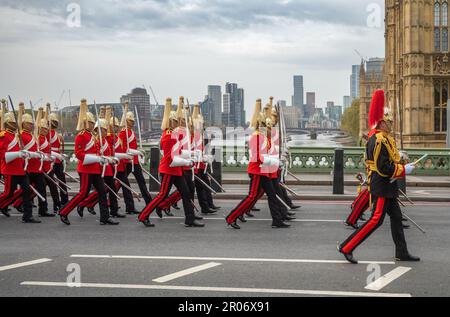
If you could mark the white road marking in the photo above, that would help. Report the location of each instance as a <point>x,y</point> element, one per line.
<point>260,219</point>
<point>18,265</point>
<point>192,270</point>
<point>385,280</point>
<point>220,289</point>
<point>128,257</point>
<point>421,192</point>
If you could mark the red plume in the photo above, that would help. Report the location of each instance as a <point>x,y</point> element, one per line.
<point>376,112</point>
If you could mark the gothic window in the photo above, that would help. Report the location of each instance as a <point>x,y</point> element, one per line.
<point>441,95</point>
<point>441,26</point>
<point>445,40</point>
<point>445,14</point>
<point>437,9</point>
<point>437,40</point>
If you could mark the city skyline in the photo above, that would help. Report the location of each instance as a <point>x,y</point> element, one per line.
<point>150,45</point>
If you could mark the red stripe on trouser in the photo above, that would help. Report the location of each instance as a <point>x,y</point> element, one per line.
<point>171,200</point>
<point>260,194</point>
<point>84,191</point>
<point>359,207</point>
<point>89,200</point>
<point>16,195</point>
<point>366,229</point>
<point>248,201</point>
<point>5,197</point>
<point>164,191</point>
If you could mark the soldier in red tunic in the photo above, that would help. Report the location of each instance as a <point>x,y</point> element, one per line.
<point>13,168</point>
<point>57,150</point>
<point>129,141</point>
<point>90,162</point>
<point>171,171</point>
<point>260,167</point>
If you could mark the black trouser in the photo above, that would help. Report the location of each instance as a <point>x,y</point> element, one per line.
<point>279,192</point>
<point>203,194</point>
<point>54,191</point>
<point>274,203</point>
<point>58,169</point>
<point>138,174</point>
<point>38,182</point>
<point>113,205</point>
<point>86,182</point>
<point>283,193</point>
<point>190,184</point>
<point>11,183</point>
<point>127,194</point>
<point>381,206</point>
<point>166,184</point>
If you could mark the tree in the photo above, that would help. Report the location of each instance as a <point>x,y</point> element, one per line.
<point>350,120</point>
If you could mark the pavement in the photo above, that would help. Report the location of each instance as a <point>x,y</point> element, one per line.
<point>319,187</point>
<point>86,259</point>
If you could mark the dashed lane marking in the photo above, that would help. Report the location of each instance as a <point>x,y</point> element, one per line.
<point>192,270</point>
<point>385,280</point>
<point>23,264</point>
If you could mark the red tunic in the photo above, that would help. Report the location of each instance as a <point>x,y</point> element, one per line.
<point>44,147</point>
<point>258,145</point>
<point>30,144</point>
<point>10,143</point>
<point>106,151</point>
<point>85,144</point>
<point>132,142</point>
<point>55,143</point>
<point>198,145</point>
<point>118,148</point>
<point>170,147</point>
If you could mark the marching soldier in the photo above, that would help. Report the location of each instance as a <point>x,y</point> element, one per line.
<point>33,163</point>
<point>203,193</point>
<point>383,161</point>
<point>129,141</point>
<point>259,169</point>
<point>111,189</point>
<point>171,170</point>
<point>57,150</point>
<point>13,171</point>
<point>87,151</point>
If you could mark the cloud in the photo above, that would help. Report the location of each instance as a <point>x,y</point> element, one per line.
<point>184,45</point>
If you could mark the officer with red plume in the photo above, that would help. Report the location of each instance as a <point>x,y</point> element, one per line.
<point>385,167</point>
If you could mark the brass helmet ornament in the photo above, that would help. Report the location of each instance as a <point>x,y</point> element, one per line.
<point>168,115</point>
<point>257,118</point>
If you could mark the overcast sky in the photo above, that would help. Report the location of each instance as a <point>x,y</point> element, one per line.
<point>181,46</point>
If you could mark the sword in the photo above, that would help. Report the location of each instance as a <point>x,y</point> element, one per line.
<point>216,182</point>
<point>62,183</point>
<point>406,196</point>
<point>54,182</point>
<point>128,187</point>
<point>284,203</point>
<point>205,185</point>
<point>289,189</point>
<point>100,137</point>
<point>294,177</point>
<point>112,191</point>
<point>37,193</point>
<point>152,177</point>
<point>414,223</point>
<point>71,177</point>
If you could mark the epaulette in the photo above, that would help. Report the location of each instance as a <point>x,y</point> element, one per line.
<point>168,132</point>
<point>2,134</point>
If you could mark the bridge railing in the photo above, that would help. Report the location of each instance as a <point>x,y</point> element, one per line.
<point>319,160</point>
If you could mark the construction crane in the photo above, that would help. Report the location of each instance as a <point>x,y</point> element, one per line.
<point>359,54</point>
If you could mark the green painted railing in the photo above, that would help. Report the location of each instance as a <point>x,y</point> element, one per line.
<point>321,160</point>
